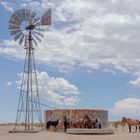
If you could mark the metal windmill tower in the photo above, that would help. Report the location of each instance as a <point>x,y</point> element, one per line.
<point>25,27</point>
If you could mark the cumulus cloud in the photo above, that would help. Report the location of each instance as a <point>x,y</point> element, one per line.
<point>7,6</point>
<point>135,83</point>
<point>56,91</point>
<point>8,83</point>
<point>11,49</point>
<point>92,34</point>
<point>106,35</point>
<point>129,107</point>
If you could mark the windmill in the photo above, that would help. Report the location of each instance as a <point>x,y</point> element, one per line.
<point>25,27</point>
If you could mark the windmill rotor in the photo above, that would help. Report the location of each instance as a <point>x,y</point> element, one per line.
<point>31,22</point>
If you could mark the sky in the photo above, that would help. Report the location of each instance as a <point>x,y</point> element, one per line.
<point>88,58</point>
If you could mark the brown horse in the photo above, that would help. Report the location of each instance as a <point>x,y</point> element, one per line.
<point>119,123</point>
<point>89,123</point>
<point>131,122</point>
<point>78,123</point>
<point>96,123</point>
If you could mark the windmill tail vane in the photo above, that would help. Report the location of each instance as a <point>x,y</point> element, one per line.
<point>46,18</point>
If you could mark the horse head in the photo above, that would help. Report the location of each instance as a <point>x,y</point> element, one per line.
<point>124,119</point>
<point>86,117</point>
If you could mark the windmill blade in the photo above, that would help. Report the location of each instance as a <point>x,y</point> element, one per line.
<point>35,20</point>
<point>13,21</point>
<point>39,29</point>
<point>21,39</point>
<point>26,41</point>
<point>28,12</point>
<point>14,17</point>
<point>13,32</point>
<point>34,41</point>
<point>33,14</point>
<point>38,33</point>
<point>13,27</point>
<point>37,37</point>
<point>17,36</point>
<point>17,12</point>
<point>37,24</point>
<point>23,13</point>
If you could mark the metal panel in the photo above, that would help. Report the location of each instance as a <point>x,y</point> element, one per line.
<point>21,39</point>
<point>28,12</point>
<point>37,37</point>
<point>16,37</point>
<point>34,32</point>
<point>13,32</point>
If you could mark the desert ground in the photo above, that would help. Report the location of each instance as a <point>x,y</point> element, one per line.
<point>44,135</point>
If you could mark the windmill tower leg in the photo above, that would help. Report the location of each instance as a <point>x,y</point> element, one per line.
<point>29,103</point>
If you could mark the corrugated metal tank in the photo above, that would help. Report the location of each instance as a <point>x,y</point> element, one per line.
<point>75,115</point>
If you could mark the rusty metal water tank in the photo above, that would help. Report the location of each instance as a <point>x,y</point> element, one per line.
<point>76,114</point>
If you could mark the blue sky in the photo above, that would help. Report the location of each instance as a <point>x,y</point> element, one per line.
<point>88,58</point>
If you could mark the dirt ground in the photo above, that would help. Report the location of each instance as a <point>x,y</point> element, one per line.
<point>44,135</point>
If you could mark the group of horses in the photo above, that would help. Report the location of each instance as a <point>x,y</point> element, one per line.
<point>129,122</point>
<point>84,122</point>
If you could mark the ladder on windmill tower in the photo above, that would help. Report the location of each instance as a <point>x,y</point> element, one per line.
<point>29,110</point>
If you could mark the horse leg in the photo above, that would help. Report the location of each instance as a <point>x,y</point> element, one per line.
<point>100,126</point>
<point>48,125</point>
<point>136,129</point>
<point>116,127</point>
<point>129,128</point>
<point>85,126</point>
<point>65,126</point>
<point>123,127</point>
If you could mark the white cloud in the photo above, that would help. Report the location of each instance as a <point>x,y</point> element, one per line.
<point>129,107</point>
<point>56,91</point>
<point>8,83</point>
<point>12,49</point>
<point>92,34</point>
<point>135,83</point>
<point>73,100</point>
<point>7,6</point>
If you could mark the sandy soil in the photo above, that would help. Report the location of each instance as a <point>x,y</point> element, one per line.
<point>44,135</point>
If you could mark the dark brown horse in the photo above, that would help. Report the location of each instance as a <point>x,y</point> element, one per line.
<point>52,123</point>
<point>96,123</point>
<point>89,123</point>
<point>131,122</point>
